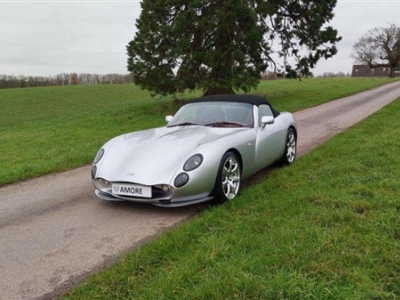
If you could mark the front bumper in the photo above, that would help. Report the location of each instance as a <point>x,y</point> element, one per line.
<point>160,197</point>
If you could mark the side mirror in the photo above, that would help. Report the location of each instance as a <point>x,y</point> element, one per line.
<point>267,120</point>
<point>168,118</point>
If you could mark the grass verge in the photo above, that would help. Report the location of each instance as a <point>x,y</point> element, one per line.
<point>327,227</point>
<point>53,129</point>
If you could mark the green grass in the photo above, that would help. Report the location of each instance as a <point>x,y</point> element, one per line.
<point>57,128</point>
<point>327,227</point>
<point>293,95</point>
<point>54,129</point>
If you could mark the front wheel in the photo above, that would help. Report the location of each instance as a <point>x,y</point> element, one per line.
<point>289,155</point>
<point>227,183</point>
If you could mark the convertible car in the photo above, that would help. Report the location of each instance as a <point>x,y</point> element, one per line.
<point>203,153</point>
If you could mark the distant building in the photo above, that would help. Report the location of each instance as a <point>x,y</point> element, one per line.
<point>366,71</point>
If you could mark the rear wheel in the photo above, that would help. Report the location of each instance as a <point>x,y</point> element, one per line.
<point>289,155</point>
<point>228,179</point>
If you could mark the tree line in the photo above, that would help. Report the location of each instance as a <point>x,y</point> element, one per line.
<point>12,81</point>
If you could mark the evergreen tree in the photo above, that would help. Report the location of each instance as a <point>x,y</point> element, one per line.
<point>224,45</point>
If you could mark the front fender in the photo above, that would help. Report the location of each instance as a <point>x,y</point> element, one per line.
<point>202,180</point>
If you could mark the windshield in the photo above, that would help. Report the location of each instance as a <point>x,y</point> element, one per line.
<point>218,114</point>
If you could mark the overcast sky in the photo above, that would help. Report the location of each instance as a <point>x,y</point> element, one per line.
<point>45,38</point>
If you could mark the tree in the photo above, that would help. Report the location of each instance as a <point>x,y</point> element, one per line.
<point>379,47</point>
<point>73,78</point>
<point>223,45</point>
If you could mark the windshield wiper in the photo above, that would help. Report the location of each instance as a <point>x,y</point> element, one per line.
<point>224,124</point>
<point>183,124</point>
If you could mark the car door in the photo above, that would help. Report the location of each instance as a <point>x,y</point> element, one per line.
<point>270,138</point>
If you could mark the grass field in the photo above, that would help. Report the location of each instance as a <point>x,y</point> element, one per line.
<point>53,129</point>
<point>327,227</point>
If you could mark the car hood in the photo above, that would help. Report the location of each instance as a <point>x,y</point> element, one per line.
<point>153,156</point>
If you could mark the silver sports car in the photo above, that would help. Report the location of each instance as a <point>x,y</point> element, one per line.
<point>205,151</point>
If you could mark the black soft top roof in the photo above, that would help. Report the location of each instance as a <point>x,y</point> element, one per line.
<point>251,99</point>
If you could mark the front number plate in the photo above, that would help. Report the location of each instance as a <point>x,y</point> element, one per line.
<point>132,190</point>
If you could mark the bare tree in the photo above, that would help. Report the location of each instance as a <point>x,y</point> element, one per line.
<point>379,47</point>
<point>73,78</point>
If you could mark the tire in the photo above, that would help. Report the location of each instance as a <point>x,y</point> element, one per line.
<point>228,179</point>
<point>289,155</point>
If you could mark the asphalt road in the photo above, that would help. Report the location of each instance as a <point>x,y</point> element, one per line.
<point>54,231</point>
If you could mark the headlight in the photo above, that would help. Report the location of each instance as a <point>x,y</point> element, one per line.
<point>181,180</point>
<point>193,163</point>
<point>99,155</point>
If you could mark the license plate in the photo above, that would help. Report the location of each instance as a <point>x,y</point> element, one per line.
<point>133,190</point>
